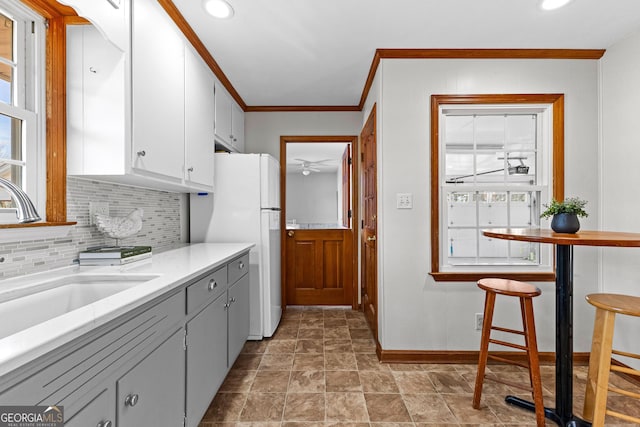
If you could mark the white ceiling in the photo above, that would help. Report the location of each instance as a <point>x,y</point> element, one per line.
<point>318,52</point>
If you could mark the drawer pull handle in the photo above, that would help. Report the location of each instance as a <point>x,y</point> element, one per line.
<point>212,285</point>
<point>105,424</point>
<point>141,153</point>
<point>240,265</point>
<point>190,169</point>
<point>233,299</point>
<point>131,400</point>
<point>226,306</point>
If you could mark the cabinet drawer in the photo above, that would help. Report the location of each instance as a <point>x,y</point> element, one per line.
<point>206,289</point>
<point>238,268</point>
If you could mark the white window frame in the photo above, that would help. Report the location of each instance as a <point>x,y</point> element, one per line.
<point>543,186</point>
<point>28,104</point>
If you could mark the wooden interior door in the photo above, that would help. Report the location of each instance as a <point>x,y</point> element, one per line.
<point>319,264</point>
<point>369,274</point>
<point>319,267</point>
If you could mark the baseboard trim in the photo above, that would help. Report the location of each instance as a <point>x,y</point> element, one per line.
<point>460,356</point>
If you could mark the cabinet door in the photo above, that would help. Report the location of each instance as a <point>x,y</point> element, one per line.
<point>152,393</point>
<point>95,103</point>
<point>238,317</point>
<point>158,91</point>
<point>199,116</point>
<point>237,124</point>
<point>206,357</point>
<point>223,115</point>
<point>99,412</point>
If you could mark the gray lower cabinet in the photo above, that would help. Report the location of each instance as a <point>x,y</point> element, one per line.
<point>216,334</point>
<point>206,357</point>
<point>152,392</point>
<point>151,367</point>
<point>238,317</point>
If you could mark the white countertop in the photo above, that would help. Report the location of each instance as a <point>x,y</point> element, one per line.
<point>174,268</point>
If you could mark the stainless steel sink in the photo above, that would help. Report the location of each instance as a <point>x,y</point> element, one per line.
<point>46,300</point>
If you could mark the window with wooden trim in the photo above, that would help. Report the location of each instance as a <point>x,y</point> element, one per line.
<point>496,159</point>
<point>22,152</point>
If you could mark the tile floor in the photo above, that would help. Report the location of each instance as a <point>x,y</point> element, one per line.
<point>320,369</point>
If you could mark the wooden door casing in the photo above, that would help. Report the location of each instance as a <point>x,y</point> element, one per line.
<point>369,272</point>
<point>333,255</point>
<point>346,187</point>
<point>319,267</point>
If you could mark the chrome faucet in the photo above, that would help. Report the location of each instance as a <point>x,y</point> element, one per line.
<point>25,212</point>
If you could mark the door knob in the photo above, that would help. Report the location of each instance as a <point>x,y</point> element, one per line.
<point>212,284</point>
<point>290,233</point>
<point>240,265</point>
<point>371,238</point>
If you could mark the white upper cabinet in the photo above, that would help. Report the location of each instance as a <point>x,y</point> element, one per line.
<point>237,127</point>
<point>199,109</point>
<point>140,116</point>
<point>229,121</point>
<point>158,91</point>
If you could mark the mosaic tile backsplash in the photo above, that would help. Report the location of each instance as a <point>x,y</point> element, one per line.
<point>160,228</point>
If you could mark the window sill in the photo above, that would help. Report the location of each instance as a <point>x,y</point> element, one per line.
<point>34,231</point>
<point>475,276</point>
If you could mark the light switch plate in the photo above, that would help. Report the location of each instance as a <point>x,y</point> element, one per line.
<point>404,200</point>
<point>101,208</point>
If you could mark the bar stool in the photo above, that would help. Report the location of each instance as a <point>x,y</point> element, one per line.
<point>525,292</point>
<point>595,401</point>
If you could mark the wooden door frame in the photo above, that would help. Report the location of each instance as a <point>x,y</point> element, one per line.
<point>355,200</point>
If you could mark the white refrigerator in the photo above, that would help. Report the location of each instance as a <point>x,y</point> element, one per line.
<point>245,207</point>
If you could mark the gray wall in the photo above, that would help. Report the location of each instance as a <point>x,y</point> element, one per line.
<point>263,130</point>
<point>312,198</point>
<point>161,227</point>
<point>416,312</point>
<point>620,148</point>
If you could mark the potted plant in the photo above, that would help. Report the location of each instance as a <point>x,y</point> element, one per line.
<point>565,214</point>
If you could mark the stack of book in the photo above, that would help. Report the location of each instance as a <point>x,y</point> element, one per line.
<point>114,255</point>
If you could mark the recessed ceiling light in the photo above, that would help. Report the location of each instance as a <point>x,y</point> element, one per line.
<point>553,4</point>
<point>218,8</point>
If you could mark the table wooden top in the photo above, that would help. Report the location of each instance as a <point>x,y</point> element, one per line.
<point>584,238</point>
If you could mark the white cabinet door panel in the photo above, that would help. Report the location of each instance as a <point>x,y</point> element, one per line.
<point>199,116</point>
<point>223,115</point>
<point>238,317</point>
<point>158,91</point>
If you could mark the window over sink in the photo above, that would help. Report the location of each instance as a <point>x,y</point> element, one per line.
<point>22,106</point>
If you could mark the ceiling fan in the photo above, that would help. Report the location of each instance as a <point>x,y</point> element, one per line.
<point>307,166</point>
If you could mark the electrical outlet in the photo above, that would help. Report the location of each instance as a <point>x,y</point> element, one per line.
<point>101,208</point>
<point>479,321</point>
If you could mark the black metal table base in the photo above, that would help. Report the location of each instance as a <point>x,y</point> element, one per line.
<point>571,421</point>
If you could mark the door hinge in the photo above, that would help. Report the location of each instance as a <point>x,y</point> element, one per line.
<point>33,27</point>
<point>362,157</point>
<point>362,224</point>
<point>184,420</point>
<point>350,161</point>
<point>349,213</point>
<point>184,340</point>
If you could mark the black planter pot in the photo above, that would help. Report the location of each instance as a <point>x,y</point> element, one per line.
<point>565,223</point>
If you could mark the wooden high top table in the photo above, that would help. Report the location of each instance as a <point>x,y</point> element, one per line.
<point>562,414</point>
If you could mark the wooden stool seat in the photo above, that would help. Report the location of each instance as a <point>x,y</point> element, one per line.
<point>511,288</point>
<point>619,304</point>
<point>525,292</point>
<point>600,367</point>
